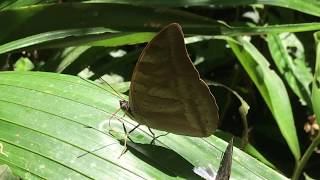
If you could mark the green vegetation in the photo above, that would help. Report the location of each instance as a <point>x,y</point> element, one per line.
<point>55,125</point>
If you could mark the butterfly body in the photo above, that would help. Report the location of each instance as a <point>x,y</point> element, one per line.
<point>166,92</point>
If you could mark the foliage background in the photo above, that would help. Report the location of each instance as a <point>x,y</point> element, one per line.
<point>274,73</point>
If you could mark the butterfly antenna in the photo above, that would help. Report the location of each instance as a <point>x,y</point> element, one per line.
<point>125,141</point>
<point>90,152</point>
<point>115,94</point>
<point>111,87</point>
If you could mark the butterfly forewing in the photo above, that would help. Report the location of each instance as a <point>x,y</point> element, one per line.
<point>166,91</point>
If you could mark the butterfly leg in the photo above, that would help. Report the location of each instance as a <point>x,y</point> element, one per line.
<point>112,116</point>
<point>127,137</point>
<point>154,137</point>
<point>124,141</point>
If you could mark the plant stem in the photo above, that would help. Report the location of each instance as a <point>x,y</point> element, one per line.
<point>301,164</point>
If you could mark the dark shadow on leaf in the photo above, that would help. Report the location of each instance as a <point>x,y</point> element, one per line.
<point>165,160</point>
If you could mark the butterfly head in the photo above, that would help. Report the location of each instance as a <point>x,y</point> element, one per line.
<point>124,105</point>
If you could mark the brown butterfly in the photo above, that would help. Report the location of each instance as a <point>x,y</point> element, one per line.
<point>166,92</point>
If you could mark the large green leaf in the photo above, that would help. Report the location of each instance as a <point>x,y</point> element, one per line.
<point>48,120</point>
<point>307,6</point>
<point>36,27</point>
<point>6,174</point>
<point>270,87</point>
<point>32,20</point>
<point>103,25</point>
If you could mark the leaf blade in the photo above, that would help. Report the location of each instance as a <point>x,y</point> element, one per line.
<point>68,122</point>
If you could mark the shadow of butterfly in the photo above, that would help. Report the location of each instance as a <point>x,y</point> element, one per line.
<point>166,92</point>
<point>224,170</point>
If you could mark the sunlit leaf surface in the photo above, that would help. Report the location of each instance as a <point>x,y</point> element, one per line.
<point>54,126</point>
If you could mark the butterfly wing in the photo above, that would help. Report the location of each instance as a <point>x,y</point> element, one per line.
<point>226,162</point>
<point>166,91</point>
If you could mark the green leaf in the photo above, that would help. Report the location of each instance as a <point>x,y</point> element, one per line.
<point>23,64</point>
<point>288,55</point>
<point>54,126</point>
<point>279,28</point>
<point>271,88</point>
<point>307,6</point>
<point>6,173</point>
<point>41,30</point>
<point>11,4</point>
<point>316,80</point>
<point>35,27</point>
<point>38,19</point>
<point>66,38</point>
<point>70,55</point>
<point>124,39</point>
<point>255,153</point>
<point>249,149</point>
